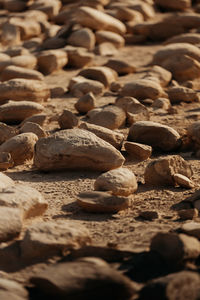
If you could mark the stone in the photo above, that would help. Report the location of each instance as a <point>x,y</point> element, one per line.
<point>86,278</point>
<point>52,60</point>
<point>83,37</point>
<point>10,223</point>
<point>13,289</point>
<point>20,147</point>
<point>189,37</point>
<point>103,36</point>
<point>188,214</point>
<point>16,51</point>
<point>126,14</point>
<point>162,75</point>
<point>23,61</point>
<point>193,133</point>
<point>34,128</point>
<point>138,151</point>
<point>76,149</point>
<point>85,103</point>
<point>22,89</point>
<point>102,202</point>
<point>94,19</point>
<point>6,132</point>
<point>120,182</point>
<point>10,34</point>
<point>6,161</point>
<point>179,5</point>
<point>161,171</point>
<point>106,49</point>
<point>28,27</point>
<point>5,181</point>
<point>103,74</point>
<point>20,196</point>
<point>147,132</point>
<point>78,57</point>
<point>175,248</point>
<point>180,93</point>
<point>142,89</point>
<point>120,66</point>
<point>11,72</point>
<point>161,103</point>
<point>192,229</point>
<point>37,118</point>
<point>109,116</point>
<point>149,215</point>
<point>45,239</point>
<point>67,120</point>
<point>17,111</point>
<point>80,86</point>
<point>183,181</point>
<point>112,137</point>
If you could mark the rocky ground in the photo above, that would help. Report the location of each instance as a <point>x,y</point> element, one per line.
<point>99,149</point>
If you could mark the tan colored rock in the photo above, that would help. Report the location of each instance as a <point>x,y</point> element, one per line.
<point>80,86</point>
<point>161,171</point>
<point>149,215</point>
<point>181,93</point>
<point>83,37</point>
<point>193,133</point>
<point>5,181</point>
<point>10,34</point>
<point>175,248</point>
<point>23,89</point>
<point>114,138</point>
<point>162,75</point>
<point>11,72</point>
<point>6,132</point>
<point>103,36</point>
<point>106,49</point>
<point>78,57</point>
<point>174,5</point>
<point>76,149</point>
<point>183,181</point>
<point>23,61</point>
<point>103,74</point>
<point>21,147</point>
<point>120,66</point>
<point>188,214</point>
<point>38,119</point>
<point>10,223</point>
<point>12,289</point>
<point>192,229</point>
<point>101,202</point>
<point>142,89</point>
<point>94,19</point>
<point>68,120</point>
<point>120,182</point>
<point>109,116</point>
<point>28,27</point>
<point>138,151</point>
<point>85,103</point>
<point>34,128</point>
<point>17,111</point>
<point>45,239</point>
<point>16,51</point>
<point>147,132</point>
<point>27,199</point>
<point>52,60</point>
<point>190,37</point>
<point>126,14</point>
<point>162,103</point>
<point>50,8</point>
<point>6,161</point>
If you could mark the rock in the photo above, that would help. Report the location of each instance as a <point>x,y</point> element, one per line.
<point>138,151</point>
<point>162,103</point>
<point>106,49</point>
<point>12,289</point>
<point>38,119</point>
<point>146,132</point>
<point>86,278</point>
<point>120,181</point>
<point>180,93</point>
<point>10,224</point>
<point>161,171</point>
<point>12,72</point>
<point>142,89</point>
<point>29,27</point>
<point>83,37</point>
<point>6,132</point>
<point>5,181</point>
<point>149,215</point>
<point>190,37</point>
<point>78,57</point>
<point>68,120</point>
<point>103,74</point>
<point>183,181</point>
<point>194,200</point>
<point>175,248</point>
<point>20,147</point>
<point>34,128</point>
<point>79,86</point>
<point>52,60</point>
<point>23,197</point>
<point>112,137</point>
<point>188,214</point>
<point>109,116</point>
<point>102,202</point>
<point>45,239</point>
<point>103,36</point>
<point>6,161</point>
<point>174,5</point>
<point>162,75</point>
<point>192,229</point>
<point>23,61</point>
<point>76,149</point>
<point>94,19</point>
<point>22,89</point>
<point>120,66</point>
<point>193,133</point>
<point>181,286</point>
<point>85,103</point>
<point>17,111</point>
